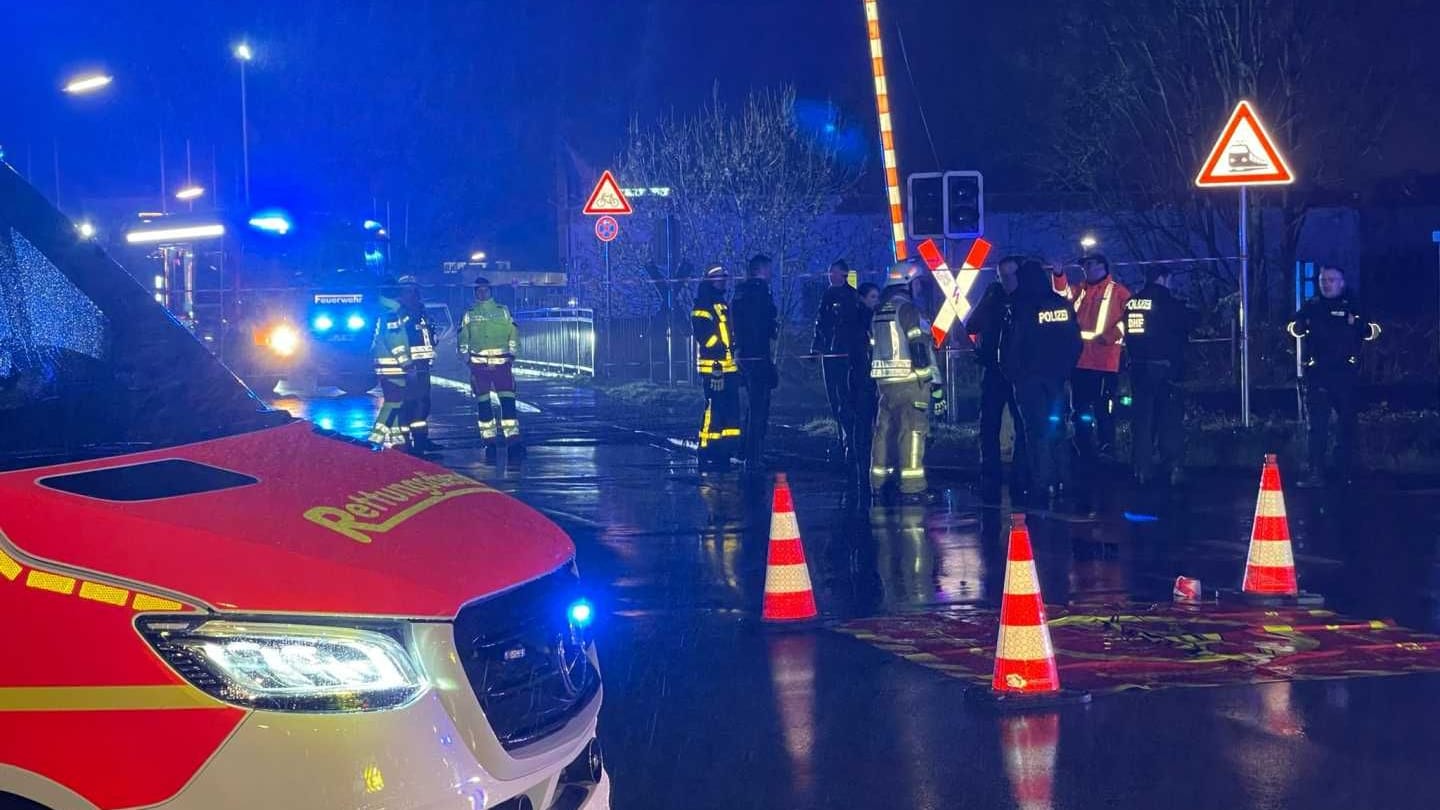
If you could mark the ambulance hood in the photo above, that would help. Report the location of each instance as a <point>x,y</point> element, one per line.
<point>283,520</point>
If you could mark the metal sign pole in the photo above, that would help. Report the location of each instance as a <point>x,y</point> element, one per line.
<point>1244,306</point>
<point>609,315</point>
<point>669,304</point>
<point>1302,272</point>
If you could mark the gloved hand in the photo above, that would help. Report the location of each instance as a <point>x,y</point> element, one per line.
<point>938,405</point>
<point>717,380</point>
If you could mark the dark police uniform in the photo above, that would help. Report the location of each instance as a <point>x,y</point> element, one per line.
<point>756,326</point>
<point>1331,332</point>
<point>1157,327</point>
<point>987,323</point>
<point>839,330</point>
<point>1038,352</point>
<point>715,361</point>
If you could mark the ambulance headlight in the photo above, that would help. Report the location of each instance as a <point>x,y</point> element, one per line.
<point>290,667</point>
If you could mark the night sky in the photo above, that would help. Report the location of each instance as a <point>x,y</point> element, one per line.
<point>462,109</point>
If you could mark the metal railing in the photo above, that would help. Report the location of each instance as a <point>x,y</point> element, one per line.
<point>558,341</point>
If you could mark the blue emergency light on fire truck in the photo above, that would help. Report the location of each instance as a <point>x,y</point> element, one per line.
<point>286,298</point>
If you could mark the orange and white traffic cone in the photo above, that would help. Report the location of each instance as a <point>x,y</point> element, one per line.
<point>1270,566</point>
<point>1028,745</point>
<point>789,596</point>
<point>1026,675</point>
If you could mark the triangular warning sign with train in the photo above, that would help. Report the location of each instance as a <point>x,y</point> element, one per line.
<point>1245,155</point>
<point>607,198</point>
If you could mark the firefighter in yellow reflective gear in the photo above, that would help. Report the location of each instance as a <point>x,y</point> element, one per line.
<point>489,341</point>
<point>903,366</point>
<point>719,374</point>
<point>403,349</point>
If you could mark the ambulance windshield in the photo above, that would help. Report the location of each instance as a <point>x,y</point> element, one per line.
<point>90,365</point>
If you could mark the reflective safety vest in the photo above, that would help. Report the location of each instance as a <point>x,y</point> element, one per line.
<point>488,336</point>
<point>1100,308</point>
<point>401,340</point>
<point>895,329</point>
<point>713,342</point>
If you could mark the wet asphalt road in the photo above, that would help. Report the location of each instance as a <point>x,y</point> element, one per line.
<point>705,711</point>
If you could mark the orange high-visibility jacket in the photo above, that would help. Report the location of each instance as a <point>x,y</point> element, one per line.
<point>1100,308</point>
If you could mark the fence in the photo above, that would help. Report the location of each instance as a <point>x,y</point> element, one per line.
<point>558,341</point>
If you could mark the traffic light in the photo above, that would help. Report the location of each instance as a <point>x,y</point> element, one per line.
<point>964,205</point>
<point>926,211</point>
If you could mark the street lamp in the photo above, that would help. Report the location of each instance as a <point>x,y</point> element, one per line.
<point>88,83</point>
<point>83,84</point>
<point>477,256</point>
<point>243,55</point>
<point>86,229</point>
<point>190,193</point>
<point>1088,242</point>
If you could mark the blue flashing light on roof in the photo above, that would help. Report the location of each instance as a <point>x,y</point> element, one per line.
<point>272,222</point>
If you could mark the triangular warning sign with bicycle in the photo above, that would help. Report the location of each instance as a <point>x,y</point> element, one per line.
<point>1245,155</point>
<point>607,198</point>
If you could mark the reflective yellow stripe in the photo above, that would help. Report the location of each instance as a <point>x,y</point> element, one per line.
<point>8,567</point>
<point>108,594</point>
<point>144,601</point>
<point>1103,313</point>
<point>712,341</point>
<point>705,428</point>
<point>102,698</point>
<point>46,581</point>
<point>703,313</point>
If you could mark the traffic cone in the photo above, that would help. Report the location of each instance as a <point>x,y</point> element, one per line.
<point>788,594</point>
<point>1025,672</point>
<point>1270,566</point>
<point>1028,745</point>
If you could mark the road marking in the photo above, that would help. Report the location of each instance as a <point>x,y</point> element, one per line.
<point>464,388</point>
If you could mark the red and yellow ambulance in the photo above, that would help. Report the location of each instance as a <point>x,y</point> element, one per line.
<point>208,604</point>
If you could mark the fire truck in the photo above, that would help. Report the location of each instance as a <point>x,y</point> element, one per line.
<point>276,297</point>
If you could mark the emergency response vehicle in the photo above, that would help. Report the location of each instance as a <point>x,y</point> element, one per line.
<point>209,604</point>
<point>276,297</point>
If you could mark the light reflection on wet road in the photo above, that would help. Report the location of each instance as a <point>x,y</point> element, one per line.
<point>705,711</point>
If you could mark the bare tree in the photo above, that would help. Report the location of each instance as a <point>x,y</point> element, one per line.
<point>1157,80</point>
<point>742,181</point>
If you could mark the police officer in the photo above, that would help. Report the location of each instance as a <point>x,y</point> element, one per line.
<point>488,343</point>
<point>987,324</point>
<point>903,366</point>
<point>1157,327</point>
<point>403,349</point>
<point>838,334</point>
<point>1331,329</point>
<point>719,374</point>
<point>1037,354</point>
<point>1100,306</point>
<point>864,395</point>
<point>757,324</point>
